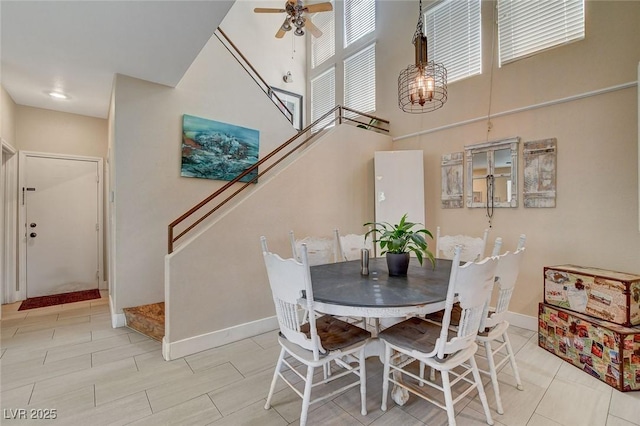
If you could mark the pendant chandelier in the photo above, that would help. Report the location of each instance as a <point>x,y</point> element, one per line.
<point>422,87</point>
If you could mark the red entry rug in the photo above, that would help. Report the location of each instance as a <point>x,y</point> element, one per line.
<point>59,299</point>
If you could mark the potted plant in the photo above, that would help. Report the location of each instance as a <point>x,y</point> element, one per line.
<point>398,241</point>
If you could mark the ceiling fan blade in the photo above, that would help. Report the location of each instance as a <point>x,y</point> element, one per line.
<point>267,10</point>
<point>315,31</point>
<point>319,7</point>
<point>283,28</point>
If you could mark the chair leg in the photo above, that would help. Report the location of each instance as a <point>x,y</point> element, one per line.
<point>421,374</point>
<point>275,379</point>
<point>363,383</point>
<point>385,376</point>
<point>481,394</point>
<point>306,396</point>
<point>448,397</point>
<point>494,376</point>
<point>512,360</point>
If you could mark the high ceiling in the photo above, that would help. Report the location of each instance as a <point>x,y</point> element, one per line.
<point>77,46</point>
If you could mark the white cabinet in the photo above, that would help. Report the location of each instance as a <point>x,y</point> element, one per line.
<point>399,186</point>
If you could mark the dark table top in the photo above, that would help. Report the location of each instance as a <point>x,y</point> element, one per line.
<point>342,284</point>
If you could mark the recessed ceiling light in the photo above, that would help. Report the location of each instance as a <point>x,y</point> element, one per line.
<point>58,95</point>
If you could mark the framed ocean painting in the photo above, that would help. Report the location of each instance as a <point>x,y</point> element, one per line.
<point>215,150</point>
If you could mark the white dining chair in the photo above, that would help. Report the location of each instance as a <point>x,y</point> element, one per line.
<point>349,246</point>
<point>493,331</point>
<point>320,250</point>
<point>472,247</point>
<point>494,327</point>
<point>315,343</point>
<point>451,353</point>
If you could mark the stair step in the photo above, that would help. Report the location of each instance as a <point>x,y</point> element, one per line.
<point>147,319</point>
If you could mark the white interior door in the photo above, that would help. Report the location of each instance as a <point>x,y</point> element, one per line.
<point>61,203</point>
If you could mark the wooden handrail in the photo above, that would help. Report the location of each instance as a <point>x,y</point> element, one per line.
<point>265,86</point>
<point>228,185</point>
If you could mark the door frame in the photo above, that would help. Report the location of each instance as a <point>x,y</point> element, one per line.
<point>9,214</point>
<point>22,221</point>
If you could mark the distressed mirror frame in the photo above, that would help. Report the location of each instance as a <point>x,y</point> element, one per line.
<point>490,148</point>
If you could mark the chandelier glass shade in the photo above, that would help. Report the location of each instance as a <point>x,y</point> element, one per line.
<point>422,87</point>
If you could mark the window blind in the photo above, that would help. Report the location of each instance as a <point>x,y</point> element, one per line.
<point>323,48</point>
<point>359,19</point>
<point>360,80</point>
<point>453,37</point>
<point>323,96</point>
<point>527,27</point>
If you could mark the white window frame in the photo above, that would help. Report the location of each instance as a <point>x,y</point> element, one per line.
<point>317,114</point>
<point>454,38</point>
<point>526,28</point>
<point>351,100</point>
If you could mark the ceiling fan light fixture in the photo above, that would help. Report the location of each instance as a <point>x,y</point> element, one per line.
<point>422,87</point>
<point>299,32</point>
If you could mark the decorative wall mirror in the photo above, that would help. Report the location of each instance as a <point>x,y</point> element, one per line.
<point>492,174</point>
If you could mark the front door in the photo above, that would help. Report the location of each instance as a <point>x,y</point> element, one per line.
<point>60,197</point>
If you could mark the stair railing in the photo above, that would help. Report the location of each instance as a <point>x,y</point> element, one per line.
<point>244,63</point>
<point>231,190</point>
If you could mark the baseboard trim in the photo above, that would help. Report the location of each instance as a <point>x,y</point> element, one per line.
<point>192,345</point>
<point>523,321</point>
<point>117,320</point>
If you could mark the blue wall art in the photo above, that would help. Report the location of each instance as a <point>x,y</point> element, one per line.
<point>215,150</point>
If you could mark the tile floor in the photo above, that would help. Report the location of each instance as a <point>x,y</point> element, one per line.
<point>68,359</point>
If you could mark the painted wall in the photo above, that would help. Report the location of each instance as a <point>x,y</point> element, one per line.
<point>149,192</point>
<point>330,186</point>
<point>7,117</point>
<point>44,130</point>
<point>254,35</point>
<point>595,221</point>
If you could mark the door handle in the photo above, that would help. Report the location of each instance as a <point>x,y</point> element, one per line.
<point>33,235</point>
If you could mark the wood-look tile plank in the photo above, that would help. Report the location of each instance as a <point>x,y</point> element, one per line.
<point>267,340</point>
<point>518,405</point>
<point>617,421</point>
<point>117,412</point>
<point>626,406</point>
<point>90,347</point>
<point>330,414</point>
<point>249,363</point>
<point>395,417</point>
<point>197,411</point>
<point>29,372</point>
<point>47,389</point>
<point>61,322</point>
<point>17,397</point>
<point>220,355</point>
<point>244,392</point>
<point>538,420</point>
<point>181,389</point>
<point>587,407</point>
<point>119,387</point>
<point>67,405</point>
<point>124,351</point>
<point>255,414</point>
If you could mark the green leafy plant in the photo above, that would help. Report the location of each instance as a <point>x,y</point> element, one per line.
<point>372,122</point>
<point>402,238</point>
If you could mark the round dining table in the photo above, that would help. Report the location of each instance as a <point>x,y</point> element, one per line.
<point>341,289</point>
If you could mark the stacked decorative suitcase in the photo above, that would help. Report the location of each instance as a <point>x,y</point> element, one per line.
<point>591,319</point>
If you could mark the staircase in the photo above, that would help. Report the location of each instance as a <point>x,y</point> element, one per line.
<point>147,319</point>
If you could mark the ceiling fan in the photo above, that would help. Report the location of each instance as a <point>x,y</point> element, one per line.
<point>295,19</point>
